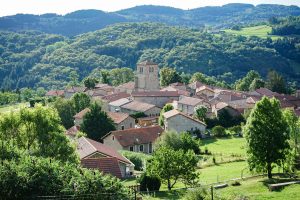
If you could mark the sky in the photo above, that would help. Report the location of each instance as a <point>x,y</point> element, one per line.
<point>11,7</point>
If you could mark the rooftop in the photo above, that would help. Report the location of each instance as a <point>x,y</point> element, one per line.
<point>116,96</point>
<point>175,112</point>
<point>138,106</point>
<point>155,94</point>
<point>190,101</point>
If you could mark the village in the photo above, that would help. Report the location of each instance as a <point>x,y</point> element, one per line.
<point>145,95</point>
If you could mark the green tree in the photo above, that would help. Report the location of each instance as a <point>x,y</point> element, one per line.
<point>200,112</point>
<point>256,84</point>
<point>90,82</point>
<point>80,101</point>
<point>168,75</point>
<point>166,108</point>
<point>267,136</point>
<point>66,111</point>
<point>74,78</point>
<point>275,82</point>
<point>244,83</point>
<point>105,76</point>
<point>96,123</point>
<point>171,166</point>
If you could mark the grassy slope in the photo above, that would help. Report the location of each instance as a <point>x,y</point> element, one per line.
<point>259,31</point>
<point>9,108</point>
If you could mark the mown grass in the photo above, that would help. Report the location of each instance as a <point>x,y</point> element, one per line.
<point>261,31</point>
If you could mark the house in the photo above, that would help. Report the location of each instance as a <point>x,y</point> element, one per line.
<point>222,106</point>
<point>95,155</point>
<point>121,120</point>
<point>126,87</point>
<point>230,95</point>
<point>205,91</point>
<point>115,106</point>
<point>180,122</point>
<point>110,98</point>
<point>187,105</point>
<point>69,92</point>
<point>72,132</point>
<point>55,93</point>
<point>134,107</point>
<point>158,98</point>
<point>100,91</point>
<point>137,140</point>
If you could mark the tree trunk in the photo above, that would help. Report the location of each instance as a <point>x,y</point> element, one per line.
<point>269,168</point>
<point>169,184</point>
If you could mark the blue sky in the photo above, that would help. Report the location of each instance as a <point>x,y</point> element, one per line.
<point>11,7</point>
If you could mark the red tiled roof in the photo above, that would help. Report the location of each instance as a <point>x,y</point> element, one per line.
<point>265,92</point>
<point>87,147</point>
<point>138,106</point>
<point>114,97</point>
<point>129,137</point>
<point>107,165</point>
<point>129,85</point>
<point>55,93</point>
<point>155,94</point>
<point>73,130</point>
<point>116,117</point>
<point>74,89</point>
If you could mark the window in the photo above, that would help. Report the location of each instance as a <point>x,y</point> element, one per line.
<point>131,148</point>
<point>141,70</point>
<point>141,148</point>
<point>150,147</point>
<point>130,125</point>
<point>113,138</point>
<point>122,127</point>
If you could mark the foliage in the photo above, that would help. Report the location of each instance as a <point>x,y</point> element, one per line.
<point>286,26</point>
<point>80,101</point>
<point>66,111</point>
<point>200,112</point>
<point>168,75</point>
<point>96,123</point>
<point>236,129</point>
<point>245,83</point>
<point>275,82</point>
<point>9,98</point>
<point>171,166</point>
<point>197,194</point>
<point>138,115</point>
<point>149,183</point>
<point>178,141</point>
<point>227,120</point>
<point>161,118</point>
<point>256,84</point>
<point>90,82</point>
<point>219,131</point>
<point>138,159</point>
<point>37,130</point>
<point>267,136</point>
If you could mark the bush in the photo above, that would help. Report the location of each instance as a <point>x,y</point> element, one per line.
<point>149,183</point>
<point>138,159</point>
<point>236,129</point>
<point>236,183</point>
<point>219,131</point>
<point>196,194</point>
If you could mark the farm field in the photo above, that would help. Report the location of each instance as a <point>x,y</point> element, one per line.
<point>259,31</point>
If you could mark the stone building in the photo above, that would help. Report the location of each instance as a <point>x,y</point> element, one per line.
<point>146,78</point>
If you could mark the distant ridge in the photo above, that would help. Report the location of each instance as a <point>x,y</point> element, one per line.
<point>83,21</point>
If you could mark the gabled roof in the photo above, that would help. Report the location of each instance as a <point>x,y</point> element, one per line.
<point>117,117</point>
<point>138,106</point>
<point>116,96</point>
<point>204,88</point>
<point>221,105</point>
<point>56,93</point>
<point>190,101</point>
<point>147,62</point>
<point>175,112</point>
<point>75,89</point>
<point>120,102</point>
<point>73,130</point>
<point>129,137</point>
<point>265,92</point>
<point>107,165</point>
<point>155,94</point>
<point>128,86</point>
<point>87,147</point>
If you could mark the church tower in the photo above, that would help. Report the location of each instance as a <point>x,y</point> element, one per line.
<point>146,78</point>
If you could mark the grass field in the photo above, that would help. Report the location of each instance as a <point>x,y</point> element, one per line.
<point>8,108</point>
<point>259,31</point>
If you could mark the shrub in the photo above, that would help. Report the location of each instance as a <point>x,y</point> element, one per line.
<point>235,129</point>
<point>219,131</point>
<point>138,159</point>
<point>149,183</point>
<point>196,194</point>
<point>235,183</point>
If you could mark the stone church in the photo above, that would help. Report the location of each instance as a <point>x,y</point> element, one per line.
<point>146,78</point>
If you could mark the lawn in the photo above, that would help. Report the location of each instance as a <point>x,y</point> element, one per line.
<point>259,31</point>
<point>8,108</point>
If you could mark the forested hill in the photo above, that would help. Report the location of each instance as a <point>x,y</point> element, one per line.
<point>36,59</point>
<point>83,21</point>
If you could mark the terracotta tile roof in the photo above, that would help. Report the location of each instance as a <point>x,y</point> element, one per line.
<point>56,93</point>
<point>221,105</point>
<point>265,92</point>
<point>196,84</point>
<point>87,147</point>
<point>74,89</point>
<point>73,130</point>
<point>101,85</point>
<point>106,165</point>
<point>190,101</point>
<point>175,112</point>
<point>117,117</point>
<point>155,94</point>
<point>129,86</point>
<point>120,102</point>
<point>129,137</point>
<point>204,88</point>
<point>147,62</point>
<point>116,96</point>
<point>179,90</point>
<point>138,106</point>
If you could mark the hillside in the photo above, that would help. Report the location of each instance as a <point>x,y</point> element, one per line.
<point>83,21</point>
<point>33,59</point>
